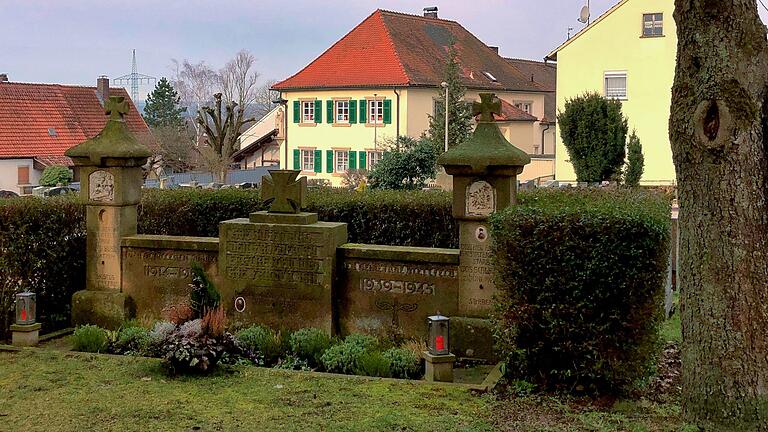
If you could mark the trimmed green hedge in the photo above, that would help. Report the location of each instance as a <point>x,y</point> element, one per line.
<point>580,275</point>
<point>42,248</point>
<point>398,218</point>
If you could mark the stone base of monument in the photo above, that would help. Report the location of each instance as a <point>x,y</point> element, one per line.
<point>106,309</point>
<point>472,338</point>
<point>438,368</point>
<point>25,335</point>
<point>281,268</point>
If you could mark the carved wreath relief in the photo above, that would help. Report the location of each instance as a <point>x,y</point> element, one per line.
<point>481,199</point>
<point>102,186</point>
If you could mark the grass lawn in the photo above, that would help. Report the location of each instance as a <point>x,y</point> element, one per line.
<point>74,392</point>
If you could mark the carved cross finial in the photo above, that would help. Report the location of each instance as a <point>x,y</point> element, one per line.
<point>283,192</point>
<point>488,106</point>
<point>116,107</point>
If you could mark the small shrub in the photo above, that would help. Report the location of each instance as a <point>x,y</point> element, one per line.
<point>214,322</point>
<point>580,277</point>
<point>55,175</point>
<point>309,344</point>
<point>403,363</point>
<point>344,358</point>
<point>132,340</point>
<point>204,296</point>
<point>373,364</point>
<point>260,344</point>
<point>196,354</point>
<point>90,338</point>
<point>292,363</point>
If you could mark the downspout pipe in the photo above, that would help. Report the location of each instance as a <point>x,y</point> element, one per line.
<point>542,137</point>
<point>397,120</point>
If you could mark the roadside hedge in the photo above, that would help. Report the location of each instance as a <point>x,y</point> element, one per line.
<point>580,277</point>
<point>42,249</point>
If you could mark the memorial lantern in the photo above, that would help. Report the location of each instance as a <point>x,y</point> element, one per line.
<point>25,308</point>
<point>439,332</point>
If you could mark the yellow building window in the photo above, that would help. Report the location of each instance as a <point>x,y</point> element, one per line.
<point>342,111</point>
<point>616,85</point>
<point>308,111</point>
<point>653,25</point>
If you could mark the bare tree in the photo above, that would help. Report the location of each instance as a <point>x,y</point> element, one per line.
<point>718,130</point>
<point>264,97</point>
<point>175,144</point>
<point>222,124</point>
<point>238,81</point>
<point>195,83</point>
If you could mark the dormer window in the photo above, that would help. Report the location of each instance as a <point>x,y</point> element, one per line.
<point>52,132</point>
<point>653,25</point>
<point>490,76</point>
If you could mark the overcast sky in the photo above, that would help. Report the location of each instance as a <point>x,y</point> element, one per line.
<point>74,41</point>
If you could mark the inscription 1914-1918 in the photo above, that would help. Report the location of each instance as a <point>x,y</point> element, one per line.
<point>269,254</point>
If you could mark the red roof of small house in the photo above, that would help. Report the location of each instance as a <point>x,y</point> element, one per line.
<point>510,112</point>
<point>43,121</point>
<point>545,74</point>
<point>396,49</point>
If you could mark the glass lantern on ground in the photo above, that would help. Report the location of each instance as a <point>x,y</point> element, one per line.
<point>439,332</point>
<point>26,308</point>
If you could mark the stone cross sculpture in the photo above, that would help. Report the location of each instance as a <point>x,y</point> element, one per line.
<point>116,107</point>
<point>283,192</point>
<point>487,107</point>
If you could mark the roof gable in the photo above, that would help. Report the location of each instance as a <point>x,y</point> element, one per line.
<point>340,65</point>
<point>553,54</point>
<point>396,49</point>
<point>48,119</point>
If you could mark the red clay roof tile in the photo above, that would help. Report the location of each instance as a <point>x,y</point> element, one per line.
<point>396,49</point>
<point>45,120</point>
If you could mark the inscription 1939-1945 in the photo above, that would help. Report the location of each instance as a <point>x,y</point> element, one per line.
<point>266,255</point>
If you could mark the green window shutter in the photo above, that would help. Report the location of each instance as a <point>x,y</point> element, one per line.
<point>362,159</point>
<point>352,111</point>
<point>297,159</point>
<point>329,111</point>
<point>318,111</point>
<point>296,112</point>
<point>387,111</point>
<point>363,111</point>
<point>352,160</point>
<point>318,161</point>
<point>329,161</point>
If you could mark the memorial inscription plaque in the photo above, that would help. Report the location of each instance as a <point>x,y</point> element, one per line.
<point>401,292</point>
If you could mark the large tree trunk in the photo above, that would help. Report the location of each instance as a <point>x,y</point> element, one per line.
<point>718,134</point>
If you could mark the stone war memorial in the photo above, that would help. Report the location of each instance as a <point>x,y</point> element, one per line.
<point>283,267</point>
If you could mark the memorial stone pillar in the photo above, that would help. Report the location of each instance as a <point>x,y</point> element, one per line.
<point>484,170</point>
<point>110,185</point>
<point>281,263</point>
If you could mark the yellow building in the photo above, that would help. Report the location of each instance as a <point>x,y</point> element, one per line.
<point>381,81</point>
<point>628,53</point>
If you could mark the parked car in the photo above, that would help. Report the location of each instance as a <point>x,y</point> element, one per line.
<point>8,194</point>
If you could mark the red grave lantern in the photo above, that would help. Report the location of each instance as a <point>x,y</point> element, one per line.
<point>26,306</point>
<point>439,332</point>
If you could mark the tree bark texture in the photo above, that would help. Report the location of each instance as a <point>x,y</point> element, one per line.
<point>718,133</point>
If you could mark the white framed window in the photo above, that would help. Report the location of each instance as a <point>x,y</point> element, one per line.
<point>526,106</point>
<point>341,160</point>
<point>376,111</point>
<point>307,111</point>
<point>307,159</point>
<point>342,111</point>
<point>653,24</point>
<point>616,85</point>
<point>373,158</point>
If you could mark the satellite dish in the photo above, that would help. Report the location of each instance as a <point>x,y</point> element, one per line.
<point>584,15</point>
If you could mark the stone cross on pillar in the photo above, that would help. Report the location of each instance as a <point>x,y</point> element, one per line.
<point>111,179</point>
<point>487,107</point>
<point>484,170</point>
<point>283,192</point>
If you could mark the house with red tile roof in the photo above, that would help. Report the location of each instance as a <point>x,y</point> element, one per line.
<point>381,81</point>
<point>39,122</point>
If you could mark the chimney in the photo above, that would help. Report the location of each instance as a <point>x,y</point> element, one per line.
<point>3,77</point>
<point>430,12</point>
<point>102,89</point>
<point>495,49</point>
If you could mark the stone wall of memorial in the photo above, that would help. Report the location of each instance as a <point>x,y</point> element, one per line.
<point>381,287</point>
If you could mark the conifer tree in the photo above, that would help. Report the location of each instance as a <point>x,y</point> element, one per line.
<point>635,161</point>
<point>459,114</point>
<point>163,106</point>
